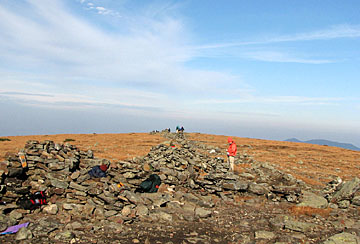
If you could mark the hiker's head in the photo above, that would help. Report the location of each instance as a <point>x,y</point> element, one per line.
<point>103,167</point>
<point>230,140</point>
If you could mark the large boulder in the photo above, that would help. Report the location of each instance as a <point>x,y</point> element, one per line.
<point>347,191</point>
<point>343,238</point>
<point>312,200</point>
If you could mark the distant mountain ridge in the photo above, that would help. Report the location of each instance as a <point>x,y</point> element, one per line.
<point>327,142</point>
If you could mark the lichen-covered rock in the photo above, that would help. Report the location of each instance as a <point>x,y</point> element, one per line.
<point>310,199</point>
<point>343,238</point>
<point>347,190</point>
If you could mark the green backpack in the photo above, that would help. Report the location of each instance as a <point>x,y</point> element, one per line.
<point>151,184</point>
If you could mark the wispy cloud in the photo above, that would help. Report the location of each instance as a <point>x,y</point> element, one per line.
<point>334,32</point>
<point>263,52</point>
<point>89,5</point>
<point>67,51</point>
<point>277,99</point>
<point>281,57</point>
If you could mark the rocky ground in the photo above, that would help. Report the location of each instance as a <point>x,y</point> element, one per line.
<point>199,200</point>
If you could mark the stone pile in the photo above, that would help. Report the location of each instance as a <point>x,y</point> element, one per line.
<point>193,182</point>
<point>342,194</point>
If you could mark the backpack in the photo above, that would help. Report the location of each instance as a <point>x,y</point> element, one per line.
<point>151,184</point>
<point>32,201</point>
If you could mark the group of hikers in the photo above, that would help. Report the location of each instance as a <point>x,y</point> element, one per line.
<point>180,129</point>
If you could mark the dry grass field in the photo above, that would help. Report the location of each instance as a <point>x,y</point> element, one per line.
<point>311,163</point>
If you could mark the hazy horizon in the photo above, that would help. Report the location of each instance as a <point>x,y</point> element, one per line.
<point>260,69</point>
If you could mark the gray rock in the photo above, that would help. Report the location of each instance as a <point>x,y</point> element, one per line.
<point>108,199</point>
<point>74,225</point>
<point>110,213</point>
<point>264,235</point>
<point>202,213</point>
<point>236,185</point>
<point>247,176</point>
<point>75,175</point>
<point>299,226</point>
<point>126,210</point>
<point>312,200</point>
<point>344,204</point>
<point>347,191</point>
<point>78,187</point>
<point>59,183</point>
<point>51,209</point>
<point>15,214</point>
<point>142,210</point>
<point>23,234</point>
<point>343,238</point>
<point>129,175</point>
<point>356,201</point>
<point>278,222</point>
<point>65,235</point>
<point>162,216</point>
<point>44,226</point>
<point>69,206</point>
<point>258,189</point>
<point>56,166</point>
<point>133,197</point>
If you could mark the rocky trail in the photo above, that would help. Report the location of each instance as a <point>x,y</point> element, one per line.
<point>199,200</point>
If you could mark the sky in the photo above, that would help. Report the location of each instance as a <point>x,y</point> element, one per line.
<point>268,69</point>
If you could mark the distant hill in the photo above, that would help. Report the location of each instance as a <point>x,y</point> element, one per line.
<point>327,142</point>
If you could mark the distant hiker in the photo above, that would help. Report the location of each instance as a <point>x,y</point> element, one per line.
<point>98,171</point>
<point>177,129</point>
<point>231,152</point>
<point>182,129</point>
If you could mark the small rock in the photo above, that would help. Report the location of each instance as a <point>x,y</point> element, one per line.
<point>23,234</point>
<point>65,235</point>
<point>51,209</point>
<point>202,213</point>
<point>343,238</point>
<point>264,235</point>
<point>75,175</point>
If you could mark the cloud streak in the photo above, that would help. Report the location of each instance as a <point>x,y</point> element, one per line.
<point>277,99</point>
<point>147,54</point>
<point>68,61</point>
<point>272,56</point>
<point>334,32</point>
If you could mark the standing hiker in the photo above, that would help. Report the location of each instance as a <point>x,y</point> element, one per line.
<point>231,152</point>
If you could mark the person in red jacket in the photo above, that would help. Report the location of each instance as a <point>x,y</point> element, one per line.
<point>231,152</point>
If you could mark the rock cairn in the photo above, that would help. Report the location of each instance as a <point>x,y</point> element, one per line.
<point>194,178</point>
<point>342,194</point>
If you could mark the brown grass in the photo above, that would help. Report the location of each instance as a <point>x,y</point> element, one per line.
<point>313,164</point>
<point>309,211</point>
<point>114,147</point>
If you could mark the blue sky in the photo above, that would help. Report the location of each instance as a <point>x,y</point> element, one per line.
<point>261,69</point>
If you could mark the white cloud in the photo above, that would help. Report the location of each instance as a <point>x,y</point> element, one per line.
<point>68,62</point>
<point>277,99</point>
<point>101,8</point>
<point>272,56</point>
<point>147,51</point>
<point>334,32</point>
